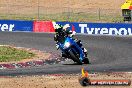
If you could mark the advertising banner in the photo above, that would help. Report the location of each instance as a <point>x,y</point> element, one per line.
<point>14,25</point>
<point>100,28</point>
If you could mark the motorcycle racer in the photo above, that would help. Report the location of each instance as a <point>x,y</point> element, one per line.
<point>64,31</point>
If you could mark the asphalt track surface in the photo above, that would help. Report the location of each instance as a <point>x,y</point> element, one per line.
<point>106,53</point>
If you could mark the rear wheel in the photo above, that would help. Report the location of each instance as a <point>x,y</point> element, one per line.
<point>86,60</point>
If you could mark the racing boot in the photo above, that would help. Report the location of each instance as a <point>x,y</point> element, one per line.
<point>86,60</point>
<point>85,52</point>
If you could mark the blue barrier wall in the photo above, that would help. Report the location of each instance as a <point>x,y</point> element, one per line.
<point>14,25</point>
<point>84,28</point>
<point>101,28</point>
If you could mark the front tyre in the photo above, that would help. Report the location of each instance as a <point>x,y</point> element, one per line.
<point>75,58</point>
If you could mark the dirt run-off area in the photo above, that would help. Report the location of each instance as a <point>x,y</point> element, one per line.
<point>108,4</point>
<point>61,81</point>
<point>62,10</point>
<point>56,6</point>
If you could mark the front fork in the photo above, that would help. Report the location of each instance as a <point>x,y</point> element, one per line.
<point>81,54</point>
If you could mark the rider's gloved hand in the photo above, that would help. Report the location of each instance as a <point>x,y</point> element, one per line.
<point>73,33</point>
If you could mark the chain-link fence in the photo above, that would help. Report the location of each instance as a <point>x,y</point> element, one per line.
<point>37,12</point>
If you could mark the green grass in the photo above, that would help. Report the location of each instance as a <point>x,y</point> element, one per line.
<point>12,54</point>
<point>65,16</point>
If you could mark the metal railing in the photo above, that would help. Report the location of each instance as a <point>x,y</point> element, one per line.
<point>36,12</point>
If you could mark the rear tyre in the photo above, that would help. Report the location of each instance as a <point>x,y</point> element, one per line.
<point>86,60</point>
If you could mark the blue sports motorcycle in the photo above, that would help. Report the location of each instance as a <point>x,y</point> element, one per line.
<point>72,50</point>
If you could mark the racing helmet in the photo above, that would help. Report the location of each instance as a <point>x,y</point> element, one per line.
<point>56,26</point>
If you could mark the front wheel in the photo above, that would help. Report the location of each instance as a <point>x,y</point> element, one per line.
<point>75,58</point>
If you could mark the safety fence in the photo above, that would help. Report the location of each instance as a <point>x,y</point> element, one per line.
<point>79,27</point>
<point>39,12</point>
